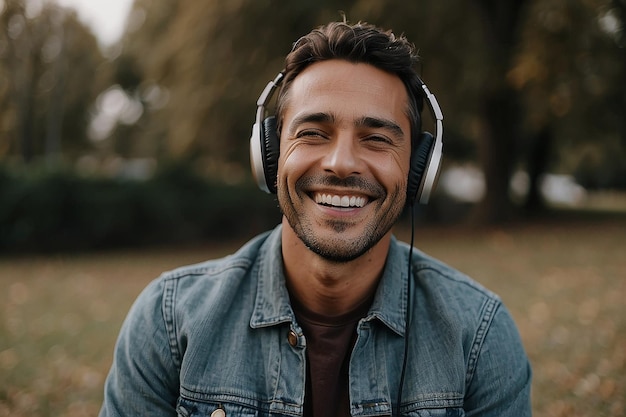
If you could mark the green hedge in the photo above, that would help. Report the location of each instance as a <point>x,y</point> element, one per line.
<point>60,210</point>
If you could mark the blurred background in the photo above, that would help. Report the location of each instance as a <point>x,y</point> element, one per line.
<point>124,142</point>
<point>127,122</point>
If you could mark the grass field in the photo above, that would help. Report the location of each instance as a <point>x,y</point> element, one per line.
<point>565,283</point>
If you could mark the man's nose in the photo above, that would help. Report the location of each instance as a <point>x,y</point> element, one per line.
<point>343,157</point>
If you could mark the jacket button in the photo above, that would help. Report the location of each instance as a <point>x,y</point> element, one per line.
<point>292,338</point>
<point>218,413</point>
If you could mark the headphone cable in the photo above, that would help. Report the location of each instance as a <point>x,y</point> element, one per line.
<point>407,325</point>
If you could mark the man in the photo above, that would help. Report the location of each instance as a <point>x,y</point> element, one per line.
<point>328,314</point>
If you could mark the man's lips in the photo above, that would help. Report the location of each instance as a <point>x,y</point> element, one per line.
<point>335,200</point>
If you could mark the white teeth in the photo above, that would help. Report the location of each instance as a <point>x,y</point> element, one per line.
<point>340,201</point>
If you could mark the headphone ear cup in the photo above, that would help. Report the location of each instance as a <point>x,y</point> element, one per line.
<point>270,150</point>
<point>420,157</point>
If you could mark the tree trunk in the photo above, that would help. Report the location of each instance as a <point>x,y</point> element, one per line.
<point>25,110</point>
<point>54,121</point>
<point>538,159</point>
<point>501,113</point>
<point>500,109</point>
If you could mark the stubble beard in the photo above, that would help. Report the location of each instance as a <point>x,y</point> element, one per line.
<point>336,249</point>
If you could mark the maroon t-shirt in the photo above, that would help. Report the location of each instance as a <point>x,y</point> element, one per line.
<point>329,342</point>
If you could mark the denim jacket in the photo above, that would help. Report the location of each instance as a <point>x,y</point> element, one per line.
<point>221,335</point>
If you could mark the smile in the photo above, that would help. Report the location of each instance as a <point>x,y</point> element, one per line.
<point>339,201</point>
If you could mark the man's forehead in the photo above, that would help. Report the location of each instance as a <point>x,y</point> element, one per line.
<point>342,88</point>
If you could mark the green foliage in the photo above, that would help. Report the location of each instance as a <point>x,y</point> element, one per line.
<point>50,72</point>
<point>58,210</point>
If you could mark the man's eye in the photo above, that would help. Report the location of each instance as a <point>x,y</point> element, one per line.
<point>310,133</point>
<point>378,138</point>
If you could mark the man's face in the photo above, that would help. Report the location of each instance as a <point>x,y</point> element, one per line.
<point>344,157</point>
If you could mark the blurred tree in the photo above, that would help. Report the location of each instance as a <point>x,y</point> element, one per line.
<point>525,105</point>
<point>570,72</point>
<point>499,105</point>
<point>49,64</point>
<point>201,66</point>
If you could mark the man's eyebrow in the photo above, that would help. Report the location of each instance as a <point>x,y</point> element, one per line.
<point>378,123</point>
<point>319,117</point>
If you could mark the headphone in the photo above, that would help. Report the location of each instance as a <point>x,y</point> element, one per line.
<point>425,155</point>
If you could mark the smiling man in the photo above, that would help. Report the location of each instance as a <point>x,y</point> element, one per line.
<point>345,137</point>
<point>328,314</point>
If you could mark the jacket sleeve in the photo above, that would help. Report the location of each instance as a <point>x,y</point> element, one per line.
<point>499,386</point>
<point>144,378</point>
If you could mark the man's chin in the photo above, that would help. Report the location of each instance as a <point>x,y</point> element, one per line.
<point>337,249</point>
<point>336,255</point>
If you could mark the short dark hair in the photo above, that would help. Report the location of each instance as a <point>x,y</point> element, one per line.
<point>358,43</point>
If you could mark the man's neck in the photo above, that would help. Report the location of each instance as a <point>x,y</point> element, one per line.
<point>327,287</point>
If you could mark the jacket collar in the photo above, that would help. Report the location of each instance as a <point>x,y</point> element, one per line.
<point>390,301</point>
<point>272,298</point>
<point>272,304</point>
